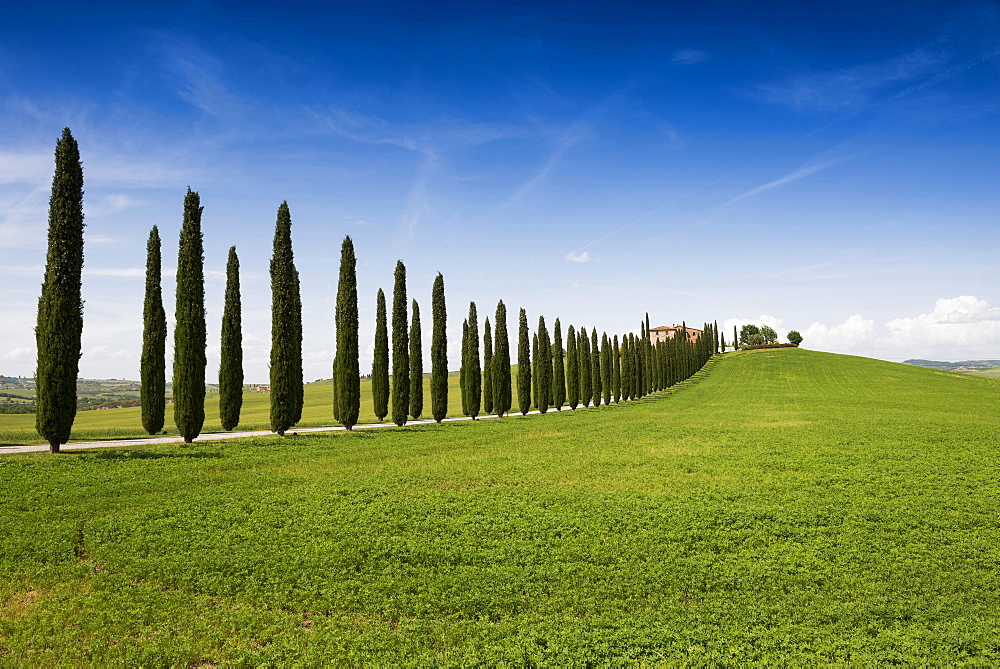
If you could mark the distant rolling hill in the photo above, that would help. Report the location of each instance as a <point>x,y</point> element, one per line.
<point>962,366</point>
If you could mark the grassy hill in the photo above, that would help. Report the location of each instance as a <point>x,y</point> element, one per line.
<point>791,507</point>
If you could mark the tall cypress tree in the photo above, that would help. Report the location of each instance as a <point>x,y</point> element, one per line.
<point>231,353</point>
<point>534,369</point>
<point>501,362</point>
<point>595,368</point>
<point>400,349</point>
<point>487,369</point>
<point>523,365</point>
<point>439,351</point>
<point>416,365</point>
<point>647,345</point>
<point>634,346</point>
<point>298,385</point>
<point>606,368</point>
<point>586,386</point>
<point>616,370</point>
<point>558,368</point>
<point>346,367</point>
<point>153,373</point>
<point>627,370</point>
<point>60,307</point>
<point>473,376</point>
<point>544,361</point>
<point>286,328</point>
<point>380,361</point>
<point>189,329</point>
<point>463,371</point>
<point>572,368</point>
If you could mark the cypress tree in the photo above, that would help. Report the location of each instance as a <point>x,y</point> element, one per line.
<point>572,368</point>
<point>534,369</point>
<point>616,371</point>
<point>380,361</point>
<point>60,307</point>
<point>523,365</point>
<point>595,368</point>
<point>639,371</point>
<point>463,371</point>
<point>416,365</point>
<point>298,386</point>
<point>153,373</point>
<point>231,353</point>
<point>400,349</point>
<point>558,368</point>
<point>650,363</point>
<point>346,368</point>
<point>586,368</point>
<point>473,376</point>
<point>606,369</point>
<point>189,329</point>
<point>722,342</point>
<point>439,351</point>
<point>635,345</point>
<point>544,395</point>
<point>487,369</point>
<point>286,328</point>
<point>628,369</point>
<point>501,362</point>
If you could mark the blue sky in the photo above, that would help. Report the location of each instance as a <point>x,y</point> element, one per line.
<point>827,169</point>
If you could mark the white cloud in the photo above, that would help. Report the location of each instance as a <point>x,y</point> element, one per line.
<point>109,204</point>
<point>573,256</point>
<point>20,354</point>
<point>957,328</point>
<point>123,272</point>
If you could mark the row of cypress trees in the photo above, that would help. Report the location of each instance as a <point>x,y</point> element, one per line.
<point>586,370</point>
<point>190,333</point>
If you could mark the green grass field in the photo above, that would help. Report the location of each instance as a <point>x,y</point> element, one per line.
<point>988,372</point>
<point>127,423</point>
<point>791,507</point>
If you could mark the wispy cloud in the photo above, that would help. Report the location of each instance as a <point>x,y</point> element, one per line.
<point>572,256</point>
<point>800,173</point>
<point>572,136</point>
<point>196,74</point>
<point>418,201</point>
<point>688,56</point>
<point>849,89</point>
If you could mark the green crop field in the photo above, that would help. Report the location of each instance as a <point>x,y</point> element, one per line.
<point>988,372</point>
<point>127,423</point>
<point>791,507</point>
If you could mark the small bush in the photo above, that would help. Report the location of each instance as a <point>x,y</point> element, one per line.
<point>756,346</point>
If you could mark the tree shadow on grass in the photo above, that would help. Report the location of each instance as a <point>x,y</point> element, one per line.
<point>129,454</point>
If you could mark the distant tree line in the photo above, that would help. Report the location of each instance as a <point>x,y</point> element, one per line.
<point>552,371</point>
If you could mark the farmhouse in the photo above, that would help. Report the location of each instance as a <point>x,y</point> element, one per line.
<point>663,333</point>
